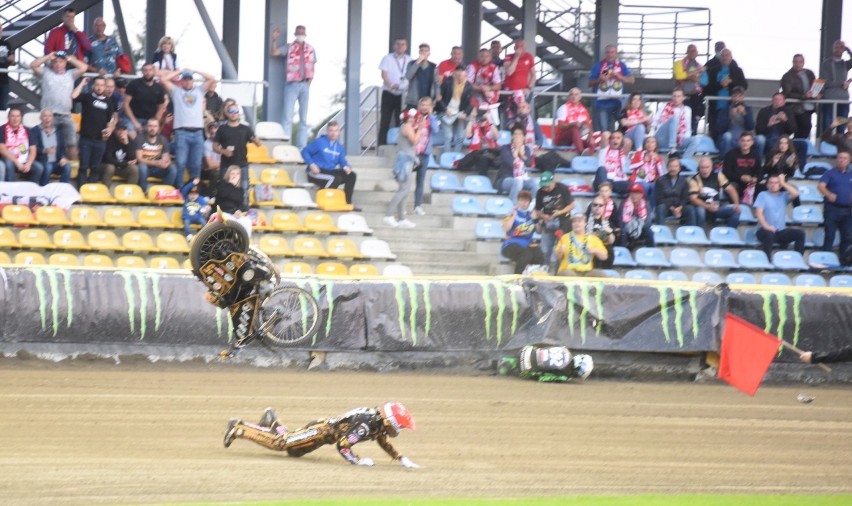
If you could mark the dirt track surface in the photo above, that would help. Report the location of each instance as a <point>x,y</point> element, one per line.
<point>102,434</point>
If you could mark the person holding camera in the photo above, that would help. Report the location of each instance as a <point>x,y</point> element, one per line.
<point>732,122</point>
<point>519,227</point>
<point>553,204</point>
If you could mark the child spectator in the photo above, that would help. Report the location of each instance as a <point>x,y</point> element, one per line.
<point>195,207</point>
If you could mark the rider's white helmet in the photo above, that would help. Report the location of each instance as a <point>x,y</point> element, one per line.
<point>583,366</point>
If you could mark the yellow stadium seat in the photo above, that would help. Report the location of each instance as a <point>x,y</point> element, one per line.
<point>137,240</point>
<point>78,119</point>
<point>96,193</point>
<point>343,248</point>
<point>261,223</point>
<point>258,154</point>
<point>163,189</point>
<point>129,194</point>
<point>18,215</point>
<point>29,258</point>
<point>172,242</point>
<point>34,238</point>
<point>298,268</point>
<point>363,270</point>
<point>63,260</point>
<point>105,240</point>
<point>177,219</point>
<point>308,247</point>
<point>332,269</point>
<point>7,239</point>
<point>85,216</point>
<point>52,216</point>
<point>274,245</point>
<point>69,239</point>
<point>119,217</point>
<point>154,218</point>
<point>253,179</point>
<point>164,263</point>
<point>276,176</point>
<point>97,260</point>
<point>187,265</point>
<point>4,258</point>
<point>275,202</point>
<point>287,221</point>
<point>130,262</point>
<point>320,222</point>
<point>332,199</point>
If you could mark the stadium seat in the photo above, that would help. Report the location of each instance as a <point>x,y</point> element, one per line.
<point>433,162</point>
<point>258,154</point>
<point>259,221</point>
<point>479,184</point>
<point>662,235</point>
<point>775,279</point>
<point>840,281</point>
<point>172,242</point>
<point>807,215</point>
<point>137,240</point>
<point>689,167</point>
<point>320,223</point>
<point>298,198</point>
<point>487,230</point>
<point>270,130</point>
<point>584,164</point>
<point>815,170</point>
<point>818,239</point>
<point>69,239</point>
<point>154,218</point>
<point>270,200</point>
<point>685,258</point>
<point>578,187</point>
<point>298,268</point>
<point>498,206</point>
<point>725,236</point>
<point>164,195</point>
<point>823,260</point>
<point>253,179</point>
<point>707,277</point>
<point>706,145</point>
<point>827,149</point>
<point>4,258</point>
<point>276,176</point>
<point>274,245</point>
<point>750,237</point>
<point>119,217</point>
<point>789,261</point>
<point>51,216</point>
<point>85,216</point>
<point>95,193</point>
<point>610,273</point>
<point>36,238</point>
<point>746,214</point>
<point>691,235</point>
<point>720,259</point>
<point>622,257</point>
<point>29,258</point>
<point>639,274</point>
<point>356,270</point>
<point>445,183</point>
<point>754,259</point>
<point>377,249</point>
<point>332,269</point>
<point>740,278</point>
<point>333,200</point>
<point>504,137</point>
<point>186,265</point>
<point>130,194</point>
<point>287,221</point>
<point>130,262</point>
<point>809,194</point>
<point>164,263</point>
<point>393,135</point>
<point>77,118</point>
<point>449,160</point>
<point>397,271</point>
<point>63,260</point>
<point>14,214</point>
<point>97,260</point>
<point>342,247</point>
<point>353,223</point>
<point>286,153</point>
<point>651,257</point>
<point>463,206</point>
<point>813,280</point>
<point>672,277</point>
<point>8,239</point>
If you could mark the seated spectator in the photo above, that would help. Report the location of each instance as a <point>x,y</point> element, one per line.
<point>732,121</point>
<point>153,157</point>
<point>842,140</point>
<point>770,209</point>
<point>613,164</point>
<point>636,219</point>
<point>553,205</point>
<point>673,126</point>
<point>705,190</point>
<point>533,137</point>
<point>50,150</point>
<point>455,107</point>
<point>574,124</point>
<point>578,249</point>
<point>212,163</point>
<point>598,224</point>
<point>610,211</point>
<point>782,159</point>
<point>515,160</point>
<point>195,207</point>
<point>773,122</point>
<point>671,193</point>
<point>742,168</point>
<point>165,58</point>
<point>327,164</point>
<point>120,157</point>
<point>229,194</point>
<point>484,152</point>
<point>18,151</point>
<point>519,245</point>
<point>634,123</point>
<point>647,167</point>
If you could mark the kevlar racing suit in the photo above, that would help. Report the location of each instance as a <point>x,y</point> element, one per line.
<point>542,363</point>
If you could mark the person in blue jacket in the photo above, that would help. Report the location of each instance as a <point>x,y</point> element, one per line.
<point>196,207</point>
<point>327,164</point>
<point>50,149</point>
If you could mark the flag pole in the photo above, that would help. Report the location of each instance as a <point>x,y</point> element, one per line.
<point>792,347</point>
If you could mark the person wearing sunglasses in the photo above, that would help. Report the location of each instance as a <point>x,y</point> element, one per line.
<point>230,142</point>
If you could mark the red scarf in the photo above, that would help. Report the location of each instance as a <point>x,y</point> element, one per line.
<point>614,164</point>
<point>627,213</point>
<point>573,113</point>
<point>479,75</point>
<point>609,207</point>
<point>480,134</point>
<point>424,137</point>
<point>668,112</point>
<point>651,170</point>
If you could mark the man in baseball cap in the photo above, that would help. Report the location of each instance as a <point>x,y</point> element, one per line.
<point>553,205</point>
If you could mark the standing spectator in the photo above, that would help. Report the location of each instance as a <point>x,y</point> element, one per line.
<point>742,168</point>
<point>717,52</point>
<point>96,125</point>
<point>574,124</point>
<point>836,186</point>
<point>165,58</point>
<point>455,107</point>
<point>447,67</point>
<point>646,167</point>
<point>18,151</point>
<point>195,207</point>
<point>120,157</point>
<point>57,84</point>
<point>7,58</point>
<point>422,77</point>
<point>213,105</point>
<point>834,71</point>
<point>485,78</point>
<point>719,80</point>
<point>514,161</point>
<point>428,125</point>
<point>66,37</point>
<point>705,190</point>
<point>687,73</point>
<point>144,99</point>
<point>607,79</point>
<point>613,164</point>
<point>118,97</point>
<point>733,121</point>
<point>496,49</point>
<point>188,102</point>
<point>796,84</point>
<point>394,85</point>
<point>553,206</point>
<point>842,140</point>
<point>406,161</point>
<point>301,59</point>
<point>578,249</point>
<point>636,219</point>
<point>50,150</point>
<point>599,224</point>
<point>519,226</point>
<point>770,209</point>
<point>670,192</point>
<point>105,51</point>
<point>672,126</point>
<point>230,142</point>
<point>519,69</point>
<point>153,157</point>
<point>327,164</point>
<point>212,160</point>
<point>773,122</point>
<point>634,123</point>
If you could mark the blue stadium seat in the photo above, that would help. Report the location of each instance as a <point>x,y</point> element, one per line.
<point>746,214</point>
<point>688,167</point>
<point>810,280</point>
<point>754,259</point>
<point>725,236</point>
<point>393,135</point>
<point>775,279</point>
<point>827,149</point>
<point>818,239</point>
<point>479,184</point>
<point>662,235</point>
<point>433,162</point>
<point>811,150</point>
<point>672,276</point>
<point>487,230</point>
<point>467,206</point>
<point>809,194</point>
<point>740,278</point>
<point>641,274</point>
<point>651,257</point>
<point>685,258</point>
<point>504,137</point>
<point>720,259</point>
<point>584,164</point>
<point>823,260</point>
<point>445,183</point>
<point>815,170</point>
<point>789,261</point>
<point>622,257</point>
<point>707,277</point>
<point>578,187</point>
<point>449,159</point>
<point>807,215</point>
<point>840,281</point>
<point>611,273</point>
<point>689,234</point>
<point>706,145</point>
<point>498,206</point>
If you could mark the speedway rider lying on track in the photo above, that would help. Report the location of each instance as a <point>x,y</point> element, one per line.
<point>547,364</point>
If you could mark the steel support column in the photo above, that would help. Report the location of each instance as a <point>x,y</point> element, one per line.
<point>89,16</point>
<point>832,15</point>
<point>122,32</point>
<point>274,69</point>
<point>530,25</point>
<point>606,26</point>
<point>155,26</point>
<point>231,30</point>
<point>352,118</point>
<point>471,28</point>
<point>400,23</point>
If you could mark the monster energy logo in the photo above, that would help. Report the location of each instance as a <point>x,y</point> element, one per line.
<point>405,294</point>
<point>47,280</point>
<point>681,297</point>
<point>579,297</point>
<point>780,309</point>
<point>500,290</point>
<point>136,290</point>
<point>313,286</point>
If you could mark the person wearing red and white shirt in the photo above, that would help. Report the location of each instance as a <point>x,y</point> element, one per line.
<point>673,126</point>
<point>300,60</point>
<point>574,124</point>
<point>17,151</point>
<point>646,167</point>
<point>634,123</point>
<point>481,132</point>
<point>613,164</point>
<point>485,78</point>
<point>519,68</point>
<point>447,67</point>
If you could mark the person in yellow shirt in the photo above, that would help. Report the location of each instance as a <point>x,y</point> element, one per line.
<point>577,250</point>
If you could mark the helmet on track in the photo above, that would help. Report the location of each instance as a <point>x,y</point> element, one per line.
<point>583,366</point>
<point>396,417</point>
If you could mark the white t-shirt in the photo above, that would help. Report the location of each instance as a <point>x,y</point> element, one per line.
<point>395,67</point>
<point>188,107</point>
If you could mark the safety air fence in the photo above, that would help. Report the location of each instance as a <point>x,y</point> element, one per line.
<point>134,310</point>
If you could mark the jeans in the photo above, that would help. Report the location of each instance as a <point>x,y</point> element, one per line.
<point>636,134</point>
<point>453,135</point>
<point>698,216</point>
<point>169,175</point>
<point>606,114</point>
<point>761,142</point>
<point>837,219</point>
<point>514,185</point>
<point>396,207</point>
<point>50,168</point>
<point>421,179</point>
<point>91,153</point>
<point>189,150</point>
<point>619,187</point>
<point>296,91</point>
<point>33,176</point>
<point>783,237</point>
<point>667,139</point>
<point>196,219</point>
<point>333,179</point>
<point>548,245</point>
<point>661,212</point>
<point>828,116</point>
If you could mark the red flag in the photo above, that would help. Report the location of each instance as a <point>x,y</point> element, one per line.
<point>746,354</point>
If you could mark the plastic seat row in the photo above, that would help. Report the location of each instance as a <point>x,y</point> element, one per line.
<point>713,278</point>
<point>472,184</point>
<point>339,269</point>
<point>93,260</point>
<point>750,259</point>
<point>104,240</point>
<point>98,193</point>
<point>277,246</point>
<point>329,199</point>
<point>470,206</point>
